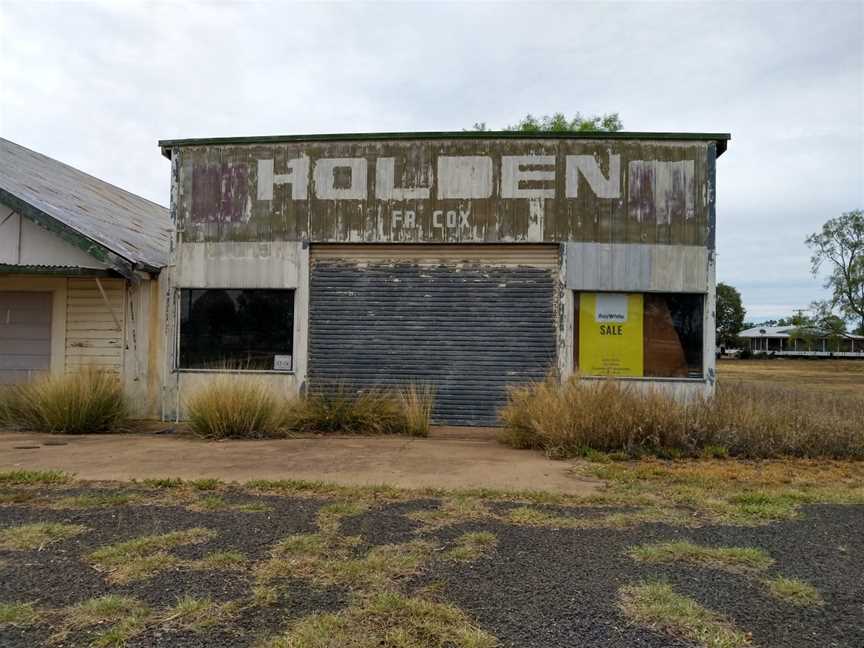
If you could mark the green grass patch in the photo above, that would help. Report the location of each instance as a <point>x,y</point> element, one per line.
<point>37,535</point>
<point>451,510</point>
<point>528,516</point>
<point>221,561</point>
<point>205,484</point>
<point>794,591</point>
<point>143,557</point>
<point>328,559</point>
<point>658,606</point>
<point>472,545</point>
<point>105,609</point>
<point>735,492</point>
<point>125,616</point>
<point>199,614</point>
<point>8,498</point>
<point>728,558</point>
<point>34,477</point>
<point>387,619</point>
<point>212,503</point>
<point>251,507</point>
<point>18,614</point>
<point>766,506</point>
<point>265,595</point>
<point>93,500</point>
<point>330,515</point>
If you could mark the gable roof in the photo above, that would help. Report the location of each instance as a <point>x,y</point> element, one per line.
<point>123,230</point>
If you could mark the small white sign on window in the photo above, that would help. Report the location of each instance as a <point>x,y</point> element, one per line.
<point>282,363</point>
<point>611,307</point>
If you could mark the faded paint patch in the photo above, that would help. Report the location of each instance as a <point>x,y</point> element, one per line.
<point>220,193</point>
<point>661,191</point>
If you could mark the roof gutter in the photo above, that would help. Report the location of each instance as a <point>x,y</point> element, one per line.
<point>721,139</point>
<point>98,251</point>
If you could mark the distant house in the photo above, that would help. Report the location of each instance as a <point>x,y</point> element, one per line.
<point>800,341</point>
<point>80,264</point>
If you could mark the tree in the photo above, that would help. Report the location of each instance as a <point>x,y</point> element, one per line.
<point>558,123</point>
<point>730,315</point>
<point>840,245</point>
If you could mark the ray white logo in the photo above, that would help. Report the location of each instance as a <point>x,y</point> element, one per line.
<point>457,177</point>
<point>611,308</point>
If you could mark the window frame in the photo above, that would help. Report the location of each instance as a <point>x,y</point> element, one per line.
<point>178,297</point>
<point>576,296</point>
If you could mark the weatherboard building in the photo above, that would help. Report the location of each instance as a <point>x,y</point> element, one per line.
<point>468,261</point>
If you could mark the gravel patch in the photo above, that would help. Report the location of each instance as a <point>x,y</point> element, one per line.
<point>538,588</point>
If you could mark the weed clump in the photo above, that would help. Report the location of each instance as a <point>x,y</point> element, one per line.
<point>659,607</point>
<point>581,417</point>
<point>77,403</point>
<point>794,591</point>
<point>234,407</point>
<point>387,619</point>
<point>340,410</point>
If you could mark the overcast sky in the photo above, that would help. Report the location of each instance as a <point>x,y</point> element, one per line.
<point>96,85</point>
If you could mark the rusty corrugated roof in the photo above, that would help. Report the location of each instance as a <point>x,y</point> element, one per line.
<point>113,225</point>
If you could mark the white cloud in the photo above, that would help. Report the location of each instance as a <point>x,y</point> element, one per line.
<point>96,85</point>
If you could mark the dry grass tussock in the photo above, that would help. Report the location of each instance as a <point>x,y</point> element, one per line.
<point>87,401</point>
<point>232,406</point>
<point>578,417</point>
<point>237,406</point>
<point>341,410</point>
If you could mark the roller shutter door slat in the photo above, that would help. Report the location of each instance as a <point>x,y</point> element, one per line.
<point>469,329</point>
<point>25,335</point>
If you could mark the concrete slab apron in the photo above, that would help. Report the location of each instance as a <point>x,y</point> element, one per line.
<point>408,463</point>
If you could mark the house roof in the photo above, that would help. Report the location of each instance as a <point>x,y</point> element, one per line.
<point>720,139</point>
<point>123,230</point>
<point>783,332</point>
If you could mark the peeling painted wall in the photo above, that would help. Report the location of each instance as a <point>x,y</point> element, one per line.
<point>25,243</point>
<point>637,267</point>
<point>118,336</point>
<point>472,191</point>
<point>233,264</point>
<point>629,216</point>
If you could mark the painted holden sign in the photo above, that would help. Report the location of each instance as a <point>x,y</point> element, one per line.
<point>610,334</point>
<point>461,192</point>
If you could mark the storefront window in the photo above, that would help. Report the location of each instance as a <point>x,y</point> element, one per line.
<point>236,329</point>
<point>639,335</point>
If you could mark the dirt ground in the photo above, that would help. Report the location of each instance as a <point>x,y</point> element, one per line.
<point>406,462</point>
<point>289,565</point>
<point>835,376</point>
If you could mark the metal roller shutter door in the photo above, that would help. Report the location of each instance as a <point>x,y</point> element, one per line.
<point>25,335</point>
<point>470,321</point>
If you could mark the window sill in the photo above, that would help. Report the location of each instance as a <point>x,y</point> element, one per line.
<point>237,371</point>
<point>646,379</point>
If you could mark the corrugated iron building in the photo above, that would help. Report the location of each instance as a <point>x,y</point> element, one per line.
<point>80,261</point>
<point>468,261</point>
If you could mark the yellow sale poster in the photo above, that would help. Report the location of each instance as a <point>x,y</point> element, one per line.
<point>610,334</point>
